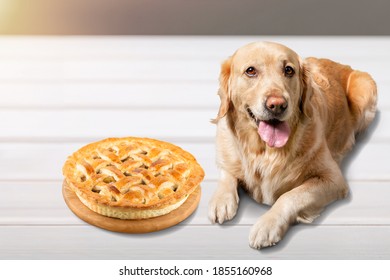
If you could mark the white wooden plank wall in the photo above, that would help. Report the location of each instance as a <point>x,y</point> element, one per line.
<point>59,93</point>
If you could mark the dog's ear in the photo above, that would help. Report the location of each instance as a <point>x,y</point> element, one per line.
<point>224,89</point>
<point>307,91</point>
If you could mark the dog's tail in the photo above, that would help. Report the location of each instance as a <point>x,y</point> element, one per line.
<point>362,99</point>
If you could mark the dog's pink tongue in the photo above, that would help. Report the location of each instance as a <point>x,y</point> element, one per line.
<point>275,135</point>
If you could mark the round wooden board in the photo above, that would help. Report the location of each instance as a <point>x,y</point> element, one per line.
<point>131,226</point>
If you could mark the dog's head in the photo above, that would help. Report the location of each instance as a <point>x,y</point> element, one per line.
<point>266,84</point>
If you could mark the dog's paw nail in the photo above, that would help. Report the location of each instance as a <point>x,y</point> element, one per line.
<point>266,232</point>
<point>223,208</point>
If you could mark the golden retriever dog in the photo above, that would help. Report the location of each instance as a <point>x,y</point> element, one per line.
<point>283,127</point>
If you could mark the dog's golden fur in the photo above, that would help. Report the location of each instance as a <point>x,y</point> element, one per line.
<point>328,104</point>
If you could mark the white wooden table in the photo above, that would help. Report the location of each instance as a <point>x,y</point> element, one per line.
<point>60,93</point>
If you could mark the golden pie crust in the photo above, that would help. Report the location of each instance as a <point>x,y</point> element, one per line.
<point>132,178</point>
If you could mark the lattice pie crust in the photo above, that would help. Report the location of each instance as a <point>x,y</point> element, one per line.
<point>132,178</point>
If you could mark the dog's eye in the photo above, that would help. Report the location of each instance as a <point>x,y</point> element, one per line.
<point>289,71</point>
<point>251,72</point>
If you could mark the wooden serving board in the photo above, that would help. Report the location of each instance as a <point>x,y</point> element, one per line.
<point>131,226</point>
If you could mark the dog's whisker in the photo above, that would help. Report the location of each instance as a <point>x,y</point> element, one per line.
<point>252,115</point>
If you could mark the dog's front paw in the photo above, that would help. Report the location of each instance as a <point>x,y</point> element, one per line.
<point>267,231</point>
<point>223,207</point>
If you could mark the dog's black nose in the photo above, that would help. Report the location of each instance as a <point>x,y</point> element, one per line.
<point>276,105</point>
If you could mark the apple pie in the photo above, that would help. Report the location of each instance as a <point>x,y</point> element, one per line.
<point>132,178</point>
